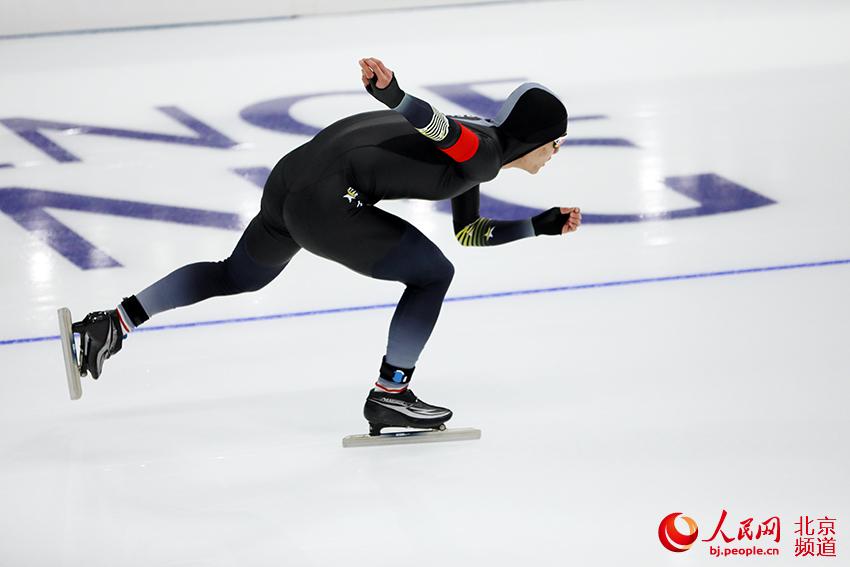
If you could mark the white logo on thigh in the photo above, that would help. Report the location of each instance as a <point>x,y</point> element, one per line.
<point>351,195</point>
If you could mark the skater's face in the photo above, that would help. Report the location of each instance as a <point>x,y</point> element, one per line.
<point>534,160</point>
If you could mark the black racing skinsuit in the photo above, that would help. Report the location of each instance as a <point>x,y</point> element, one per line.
<point>321,197</point>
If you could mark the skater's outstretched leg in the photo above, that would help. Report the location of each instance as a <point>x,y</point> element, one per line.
<point>261,254</point>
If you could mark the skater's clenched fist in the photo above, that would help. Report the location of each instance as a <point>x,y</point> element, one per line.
<point>573,220</point>
<point>371,67</point>
<point>380,82</point>
<point>557,220</point>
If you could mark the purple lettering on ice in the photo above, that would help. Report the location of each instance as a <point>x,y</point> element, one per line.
<point>256,175</point>
<point>276,114</point>
<point>715,194</point>
<point>463,94</point>
<point>30,129</point>
<point>27,208</point>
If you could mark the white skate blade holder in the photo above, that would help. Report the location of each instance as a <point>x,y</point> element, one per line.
<point>414,436</point>
<point>69,352</point>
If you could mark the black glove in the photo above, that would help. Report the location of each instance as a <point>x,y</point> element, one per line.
<point>551,221</point>
<point>390,95</point>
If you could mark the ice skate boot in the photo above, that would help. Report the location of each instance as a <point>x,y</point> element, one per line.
<point>101,336</point>
<point>426,423</point>
<point>404,409</point>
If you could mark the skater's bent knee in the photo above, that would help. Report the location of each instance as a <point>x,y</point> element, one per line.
<point>247,286</point>
<point>416,261</point>
<point>444,270</point>
<point>242,281</point>
<point>233,280</point>
<point>242,274</point>
<point>435,271</point>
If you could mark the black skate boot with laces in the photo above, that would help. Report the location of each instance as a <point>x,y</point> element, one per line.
<point>404,409</point>
<point>101,336</point>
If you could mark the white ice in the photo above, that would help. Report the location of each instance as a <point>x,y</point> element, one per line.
<point>602,409</point>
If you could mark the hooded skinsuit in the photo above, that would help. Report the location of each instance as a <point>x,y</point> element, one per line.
<point>321,196</point>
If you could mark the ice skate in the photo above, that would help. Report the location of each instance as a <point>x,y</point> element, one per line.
<point>423,422</point>
<point>100,336</point>
<point>383,409</point>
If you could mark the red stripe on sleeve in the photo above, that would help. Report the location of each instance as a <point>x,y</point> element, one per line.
<point>465,147</point>
<point>121,320</point>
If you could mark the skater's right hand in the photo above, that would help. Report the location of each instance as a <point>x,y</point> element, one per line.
<point>557,220</point>
<point>573,220</point>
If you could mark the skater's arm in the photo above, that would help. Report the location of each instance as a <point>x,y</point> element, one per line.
<point>471,229</point>
<point>450,136</point>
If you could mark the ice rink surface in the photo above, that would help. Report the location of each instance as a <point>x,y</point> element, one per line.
<point>691,357</point>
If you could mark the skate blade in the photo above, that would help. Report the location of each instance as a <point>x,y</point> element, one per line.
<point>418,436</point>
<point>69,352</point>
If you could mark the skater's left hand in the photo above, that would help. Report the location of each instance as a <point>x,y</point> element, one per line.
<point>371,67</point>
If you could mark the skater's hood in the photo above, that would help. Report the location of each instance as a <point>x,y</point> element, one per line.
<point>531,116</point>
